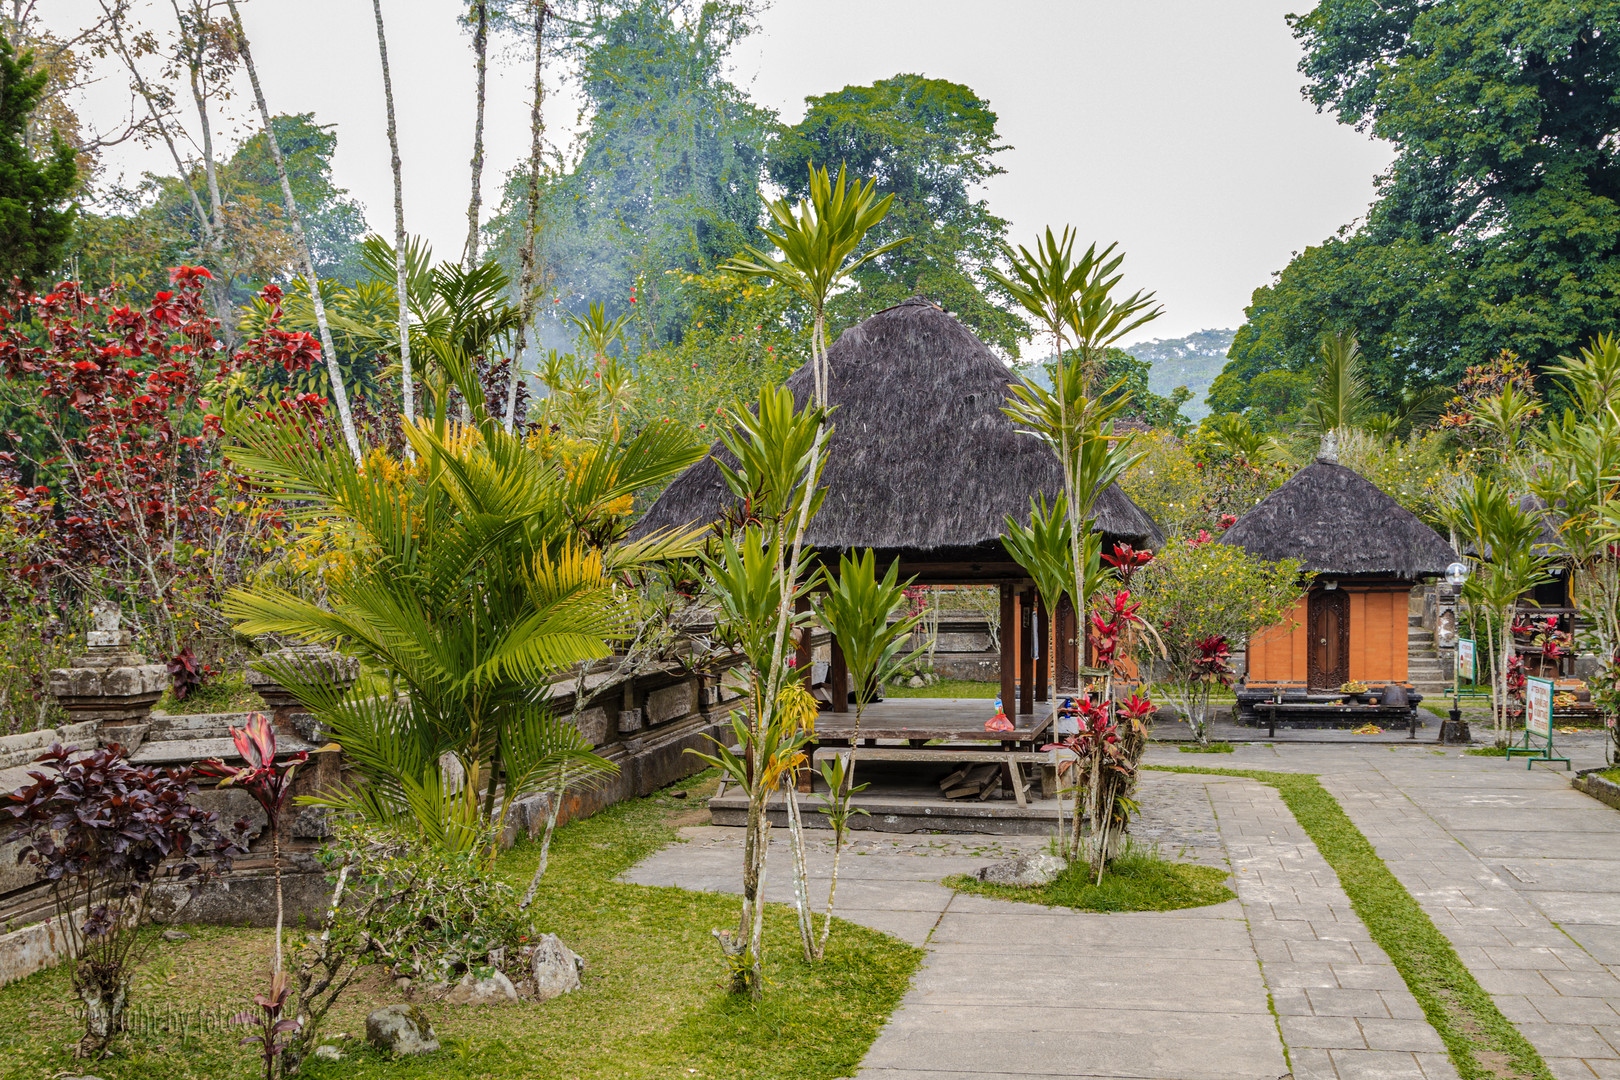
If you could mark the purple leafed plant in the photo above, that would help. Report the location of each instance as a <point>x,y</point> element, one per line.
<point>268,781</point>
<point>270,1023</point>
<point>101,832</point>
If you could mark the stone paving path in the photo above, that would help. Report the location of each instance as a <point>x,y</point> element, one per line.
<point>1518,870</point>
<point>1341,1005</point>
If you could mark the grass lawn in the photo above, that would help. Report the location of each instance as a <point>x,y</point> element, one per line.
<point>1482,1043</point>
<point>1132,883</point>
<point>1212,748</point>
<point>947,688</point>
<point>652,1005</point>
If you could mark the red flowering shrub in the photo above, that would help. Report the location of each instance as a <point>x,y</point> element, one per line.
<point>114,440</point>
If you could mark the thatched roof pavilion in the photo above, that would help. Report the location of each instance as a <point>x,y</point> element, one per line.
<point>922,463</point>
<point>1340,523</point>
<point>1362,552</point>
<point>923,466</point>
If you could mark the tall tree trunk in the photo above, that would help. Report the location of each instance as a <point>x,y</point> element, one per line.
<point>526,254</point>
<point>469,257</point>
<point>213,232</point>
<point>340,396</point>
<point>407,388</point>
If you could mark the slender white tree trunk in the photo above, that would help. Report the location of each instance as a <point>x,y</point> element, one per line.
<point>469,257</point>
<point>407,388</point>
<point>340,395</point>
<point>526,256</point>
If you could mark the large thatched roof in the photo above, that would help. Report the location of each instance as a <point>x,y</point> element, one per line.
<point>921,458</point>
<point>1338,522</point>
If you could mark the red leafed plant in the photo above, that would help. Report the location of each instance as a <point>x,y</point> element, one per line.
<point>1126,561</point>
<point>1110,627</point>
<point>101,833</point>
<point>116,438</point>
<point>267,780</point>
<point>186,674</point>
<point>1213,662</point>
<point>270,1023</point>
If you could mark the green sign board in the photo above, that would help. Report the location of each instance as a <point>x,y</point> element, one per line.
<point>1467,661</point>
<point>1538,709</point>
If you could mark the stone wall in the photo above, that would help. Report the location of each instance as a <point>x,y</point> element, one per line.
<point>644,727</point>
<point>964,648</point>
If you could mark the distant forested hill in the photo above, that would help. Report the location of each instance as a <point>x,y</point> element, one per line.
<point>1192,361</point>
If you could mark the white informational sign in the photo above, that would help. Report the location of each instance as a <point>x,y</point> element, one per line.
<point>1466,670</point>
<point>1538,707</point>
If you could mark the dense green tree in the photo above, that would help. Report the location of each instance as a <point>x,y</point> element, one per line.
<point>36,219</point>
<point>154,228</point>
<point>667,180</point>
<point>1498,225</point>
<point>929,143</point>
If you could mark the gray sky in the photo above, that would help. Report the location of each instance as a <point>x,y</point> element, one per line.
<point>1172,126</point>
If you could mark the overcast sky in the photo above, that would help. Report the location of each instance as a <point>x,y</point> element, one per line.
<point>1172,126</point>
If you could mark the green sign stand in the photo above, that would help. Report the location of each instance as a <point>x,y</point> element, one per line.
<point>1538,708</point>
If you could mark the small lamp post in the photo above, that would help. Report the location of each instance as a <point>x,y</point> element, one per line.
<point>1454,729</point>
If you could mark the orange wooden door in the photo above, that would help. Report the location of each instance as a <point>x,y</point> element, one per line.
<point>1328,650</point>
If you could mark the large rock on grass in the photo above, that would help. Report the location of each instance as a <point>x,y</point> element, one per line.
<point>555,967</point>
<point>1026,871</point>
<point>400,1030</point>
<point>494,989</point>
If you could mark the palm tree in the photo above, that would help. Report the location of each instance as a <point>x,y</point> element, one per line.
<point>482,571</point>
<point>469,257</point>
<point>1504,537</point>
<point>1339,399</point>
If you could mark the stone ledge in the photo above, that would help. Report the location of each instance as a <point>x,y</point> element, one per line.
<point>1604,790</point>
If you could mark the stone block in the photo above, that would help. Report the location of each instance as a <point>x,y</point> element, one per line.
<point>672,702</point>
<point>593,724</point>
<point>630,721</point>
<point>31,949</point>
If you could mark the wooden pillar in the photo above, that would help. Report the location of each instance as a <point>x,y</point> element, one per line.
<point>1043,642</point>
<point>1026,653</point>
<point>838,679</point>
<point>1009,653</point>
<point>801,652</point>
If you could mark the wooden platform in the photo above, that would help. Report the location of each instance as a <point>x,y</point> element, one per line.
<point>905,746</point>
<point>924,720</point>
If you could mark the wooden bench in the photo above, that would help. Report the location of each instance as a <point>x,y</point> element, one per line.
<point>960,754</point>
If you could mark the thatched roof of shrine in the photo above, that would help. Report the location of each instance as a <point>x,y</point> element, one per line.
<point>921,456</point>
<point>1338,522</point>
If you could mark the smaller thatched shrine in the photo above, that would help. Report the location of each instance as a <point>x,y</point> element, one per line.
<point>923,466</point>
<point>1363,553</point>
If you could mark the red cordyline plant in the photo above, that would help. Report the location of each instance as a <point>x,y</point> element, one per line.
<point>268,781</point>
<point>1126,561</point>
<point>272,1027</point>
<point>117,434</point>
<point>101,833</point>
<point>1110,628</point>
<point>1105,748</point>
<point>1213,664</point>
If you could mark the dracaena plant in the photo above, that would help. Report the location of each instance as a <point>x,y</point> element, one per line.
<point>863,613</point>
<point>273,1028</point>
<point>101,832</point>
<point>269,782</point>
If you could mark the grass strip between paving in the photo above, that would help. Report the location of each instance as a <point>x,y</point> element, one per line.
<point>1134,882</point>
<point>1482,1043</point>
